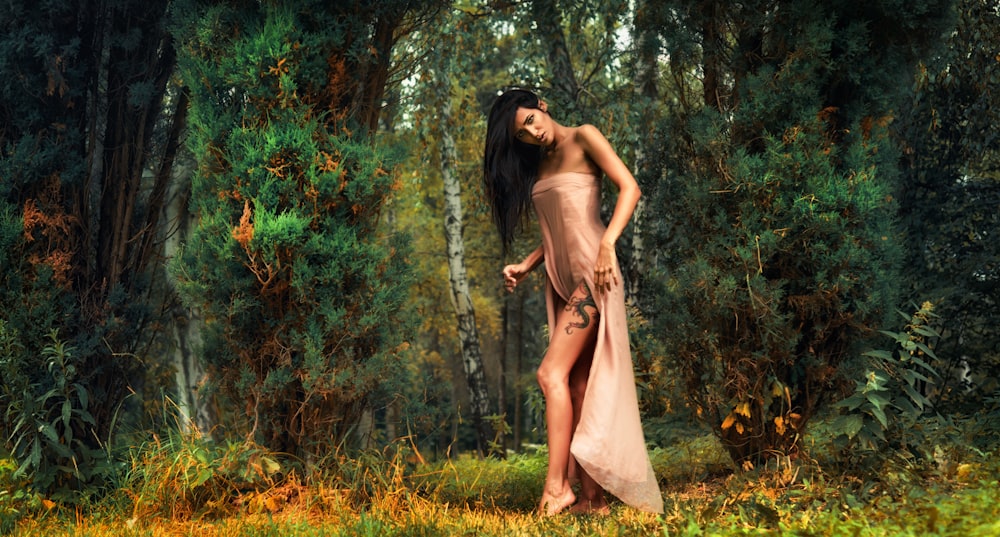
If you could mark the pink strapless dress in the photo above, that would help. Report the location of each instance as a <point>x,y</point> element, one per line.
<point>608,441</point>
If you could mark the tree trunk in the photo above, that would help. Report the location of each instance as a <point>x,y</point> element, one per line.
<point>128,134</point>
<point>472,358</point>
<point>711,55</point>
<point>377,70</point>
<point>513,335</point>
<point>549,20</point>
<point>646,96</point>
<point>173,229</point>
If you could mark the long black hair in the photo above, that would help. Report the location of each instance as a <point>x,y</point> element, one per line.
<point>510,166</point>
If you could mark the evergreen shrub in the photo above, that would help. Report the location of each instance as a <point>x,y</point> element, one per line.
<point>300,294</point>
<point>781,253</point>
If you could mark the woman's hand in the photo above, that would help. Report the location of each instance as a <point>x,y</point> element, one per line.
<point>605,275</point>
<point>513,274</point>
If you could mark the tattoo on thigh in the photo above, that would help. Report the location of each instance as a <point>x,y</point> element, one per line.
<point>579,305</point>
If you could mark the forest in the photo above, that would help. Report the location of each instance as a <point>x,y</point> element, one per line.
<point>250,284</point>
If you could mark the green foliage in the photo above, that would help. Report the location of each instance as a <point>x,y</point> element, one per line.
<point>17,500</point>
<point>300,292</point>
<point>47,422</point>
<point>781,173</point>
<point>886,406</point>
<point>948,201</point>
<point>48,418</point>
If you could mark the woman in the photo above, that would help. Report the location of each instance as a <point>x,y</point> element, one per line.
<point>591,410</point>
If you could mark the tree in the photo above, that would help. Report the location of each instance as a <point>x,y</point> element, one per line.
<point>300,293</point>
<point>458,281</point>
<point>782,170</point>
<point>562,77</point>
<point>81,99</point>
<point>646,94</point>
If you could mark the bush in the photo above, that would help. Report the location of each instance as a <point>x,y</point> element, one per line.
<point>782,254</point>
<point>300,293</point>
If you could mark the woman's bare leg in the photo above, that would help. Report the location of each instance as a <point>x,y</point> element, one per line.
<point>574,333</point>
<point>591,498</point>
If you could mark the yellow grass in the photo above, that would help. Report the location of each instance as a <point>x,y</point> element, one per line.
<point>469,497</point>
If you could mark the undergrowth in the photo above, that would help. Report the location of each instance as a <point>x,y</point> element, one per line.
<point>186,485</point>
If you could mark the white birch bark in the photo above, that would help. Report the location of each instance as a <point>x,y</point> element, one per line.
<point>647,93</point>
<point>472,358</point>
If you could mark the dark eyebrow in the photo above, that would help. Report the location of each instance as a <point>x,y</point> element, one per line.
<point>518,131</point>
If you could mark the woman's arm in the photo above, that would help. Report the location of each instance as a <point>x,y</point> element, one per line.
<point>513,274</point>
<point>597,147</point>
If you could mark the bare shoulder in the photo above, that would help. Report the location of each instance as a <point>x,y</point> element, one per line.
<point>588,135</point>
<point>598,151</point>
<point>593,142</point>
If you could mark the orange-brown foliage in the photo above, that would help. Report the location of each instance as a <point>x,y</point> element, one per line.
<point>243,233</point>
<point>272,277</point>
<point>47,225</point>
<point>234,193</point>
<point>330,97</point>
<point>828,114</point>
<point>868,123</point>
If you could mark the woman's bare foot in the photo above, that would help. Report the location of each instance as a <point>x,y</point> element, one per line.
<point>553,504</point>
<point>590,507</point>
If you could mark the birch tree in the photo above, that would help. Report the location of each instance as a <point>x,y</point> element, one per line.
<point>645,94</point>
<point>472,358</point>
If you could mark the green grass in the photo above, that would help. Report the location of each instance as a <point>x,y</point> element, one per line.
<point>379,495</point>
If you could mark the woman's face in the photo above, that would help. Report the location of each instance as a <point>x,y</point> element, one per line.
<point>533,126</point>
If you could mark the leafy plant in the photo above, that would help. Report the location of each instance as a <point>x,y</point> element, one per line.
<point>888,401</point>
<point>498,424</point>
<point>49,421</point>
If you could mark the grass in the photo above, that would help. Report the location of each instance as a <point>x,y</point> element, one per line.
<point>226,493</point>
